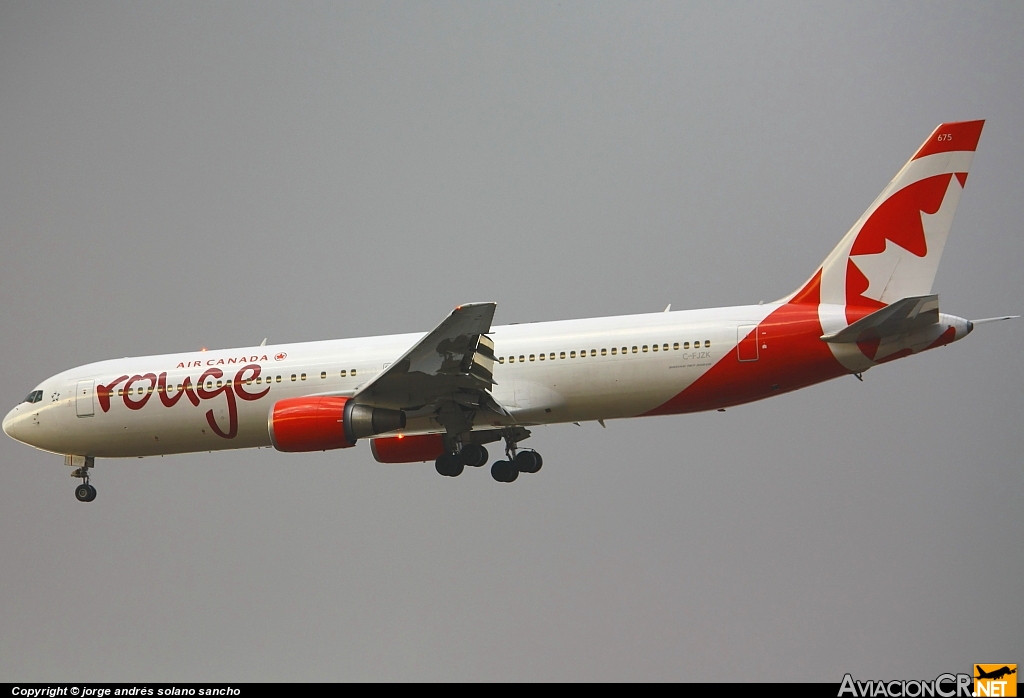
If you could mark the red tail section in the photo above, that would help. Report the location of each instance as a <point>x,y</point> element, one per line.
<point>892,252</point>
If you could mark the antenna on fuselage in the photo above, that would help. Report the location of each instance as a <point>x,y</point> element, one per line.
<point>264,342</point>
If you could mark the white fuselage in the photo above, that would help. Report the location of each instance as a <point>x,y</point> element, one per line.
<point>610,370</point>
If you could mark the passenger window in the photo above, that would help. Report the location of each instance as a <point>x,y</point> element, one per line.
<point>604,352</point>
<point>501,359</point>
<point>542,357</point>
<point>323,374</point>
<point>686,345</point>
<point>561,355</point>
<point>572,355</point>
<point>531,357</point>
<point>676,346</point>
<point>593,352</point>
<point>634,349</point>
<point>645,348</point>
<point>655,347</point>
<point>664,347</point>
<point>303,376</point>
<point>707,343</point>
<point>179,386</point>
<point>293,376</point>
<point>614,351</point>
<point>353,373</point>
<point>552,356</point>
<point>522,358</point>
<point>511,359</point>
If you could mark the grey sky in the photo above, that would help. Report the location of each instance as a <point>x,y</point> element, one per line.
<point>186,175</point>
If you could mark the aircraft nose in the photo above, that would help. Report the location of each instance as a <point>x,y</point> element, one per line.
<point>13,425</point>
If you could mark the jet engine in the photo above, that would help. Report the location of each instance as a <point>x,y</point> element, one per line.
<point>321,423</point>
<point>407,449</point>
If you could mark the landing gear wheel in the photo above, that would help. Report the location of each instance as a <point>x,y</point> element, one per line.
<point>85,492</point>
<point>504,471</point>
<point>473,455</point>
<point>528,461</point>
<point>448,465</point>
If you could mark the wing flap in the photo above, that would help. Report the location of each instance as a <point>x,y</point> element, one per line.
<point>454,358</point>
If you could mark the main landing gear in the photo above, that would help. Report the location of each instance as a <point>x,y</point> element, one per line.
<point>452,464</point>
<point>475,456</point>
<point>522,462</point>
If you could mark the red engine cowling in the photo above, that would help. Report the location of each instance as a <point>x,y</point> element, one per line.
<point>308,424</point>
<point>407,449</point>
<point>321,423</point>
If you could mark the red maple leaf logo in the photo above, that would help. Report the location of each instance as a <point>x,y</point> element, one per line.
<point>280,357</point>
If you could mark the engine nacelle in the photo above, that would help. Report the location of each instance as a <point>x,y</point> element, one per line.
<point>407,449</point>
<point>322,423</point>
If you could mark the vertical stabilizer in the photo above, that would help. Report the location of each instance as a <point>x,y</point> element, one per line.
<point>893,250</point>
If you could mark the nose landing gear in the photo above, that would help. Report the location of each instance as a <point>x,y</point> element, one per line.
<point>84,492</point>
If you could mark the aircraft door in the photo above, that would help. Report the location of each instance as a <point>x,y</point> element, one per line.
<point>746,343</point>
<point>84,398</point>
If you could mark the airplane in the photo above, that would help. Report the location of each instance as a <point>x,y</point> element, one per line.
<point>444,395</point>
<point>995,674</point>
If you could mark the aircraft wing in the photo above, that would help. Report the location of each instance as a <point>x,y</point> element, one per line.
<point>453,363</point>
<point>902,317</point>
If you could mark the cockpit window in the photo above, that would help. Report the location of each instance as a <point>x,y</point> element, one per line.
<point>34,396</point>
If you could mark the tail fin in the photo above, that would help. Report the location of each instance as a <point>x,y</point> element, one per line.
<point>893,251</point>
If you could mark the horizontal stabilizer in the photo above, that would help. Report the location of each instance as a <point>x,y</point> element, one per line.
<point>986,320</point>
<point>902,317</point>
